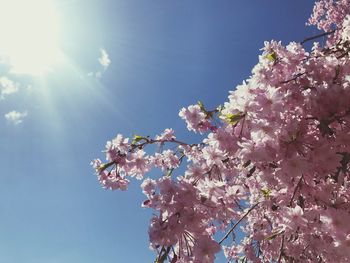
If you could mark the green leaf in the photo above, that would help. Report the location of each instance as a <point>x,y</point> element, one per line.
<point>274,235</point>
<point>104,166</point>
<point>266,192</point>
<point>201,106</point>
<point>233,118</point>
<point>136,139</point>
<point>271,56</point>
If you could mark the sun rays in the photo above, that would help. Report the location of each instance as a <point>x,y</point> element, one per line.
<point>29,35</point>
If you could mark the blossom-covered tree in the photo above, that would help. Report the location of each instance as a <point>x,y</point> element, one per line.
<point>273,164</point>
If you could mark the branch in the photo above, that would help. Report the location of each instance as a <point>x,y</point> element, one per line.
<point>317,36</point>
<point>295,190</point>
<point>295,78</point>
<point>147,141</point>
<point>281,250</point>
<point>152,141</point>
<point>236,224</point>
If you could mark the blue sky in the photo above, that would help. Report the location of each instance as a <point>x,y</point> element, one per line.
<point>164,55</point>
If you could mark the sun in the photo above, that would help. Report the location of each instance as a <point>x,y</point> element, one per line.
<point>29,35</point>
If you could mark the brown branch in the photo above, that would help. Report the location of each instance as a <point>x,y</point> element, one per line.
<point>281,250</point>
<point>237,223</point>
<point>147,141</point>
<point>295,190</point>
<point>295,78</point>
<point>317,36</point>
<point>152,141</point>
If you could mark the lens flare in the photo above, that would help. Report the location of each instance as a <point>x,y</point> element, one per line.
<point>29,33</point>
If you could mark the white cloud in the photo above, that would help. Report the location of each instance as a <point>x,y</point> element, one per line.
<point>104,59</point>
<point>7,86</point>
<point>91,74</point>
<point>15,117</point>
<point>97,74</point>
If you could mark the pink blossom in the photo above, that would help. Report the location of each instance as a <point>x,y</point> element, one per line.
<point>294,218</point>
<point>138,164</point>
<point>270,181</point>
<point>166,160</point>
<point>205,250</point>
<point>167,135</point>
<point>195,118</point>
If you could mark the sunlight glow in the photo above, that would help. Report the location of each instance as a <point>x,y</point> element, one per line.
<point>29,35</point>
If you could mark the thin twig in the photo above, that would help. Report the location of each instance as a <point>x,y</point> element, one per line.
<point>294,78</point>
<point>236,224</point>
<point>281,251</point>
<point>317,36</point>
<point>295,190</point>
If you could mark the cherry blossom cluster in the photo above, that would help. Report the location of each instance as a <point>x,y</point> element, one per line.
<point>270,181</point>
<point>329,16</point>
